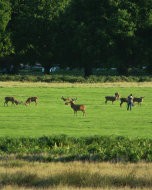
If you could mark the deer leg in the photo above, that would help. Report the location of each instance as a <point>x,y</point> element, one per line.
<point>5,103</point>
<point>84,113</point>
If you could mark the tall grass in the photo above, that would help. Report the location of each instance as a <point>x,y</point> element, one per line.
<point>77,85</point>
<point>82,175</point>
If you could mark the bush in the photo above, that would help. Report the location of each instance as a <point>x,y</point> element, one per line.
<point>64,148</point>
<point>74,78</point>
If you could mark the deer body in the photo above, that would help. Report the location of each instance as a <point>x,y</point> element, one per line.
<point>122,100</point>
<point>138,100</point>
<point>112,98</point>
<point>77,107</point>
<point>31,99</point>
<point>11,99</point>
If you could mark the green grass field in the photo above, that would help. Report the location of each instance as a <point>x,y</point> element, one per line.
<point>52,117</point>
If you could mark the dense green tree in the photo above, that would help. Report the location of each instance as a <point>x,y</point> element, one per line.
<point>85,40</point>
<point>33,26</point>
<point>77,33</point>
<point>5,16</point>
<point>6,47</point>
<point>143,34</point>
<point>98,33</point>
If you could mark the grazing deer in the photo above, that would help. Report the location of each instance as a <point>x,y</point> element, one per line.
<point>122,100</point>
<point>138,100</point>
<point>112,98</point>
<point>11,99</point>
<point>77,107</point>
<point>31,99</point>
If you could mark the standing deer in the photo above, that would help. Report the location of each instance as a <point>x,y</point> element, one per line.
<point>138,100</point>
<point>112,98</point>
<point>77,107</point>
<point>122,100</point>
<point>11,99</point>
<point>31,99</point>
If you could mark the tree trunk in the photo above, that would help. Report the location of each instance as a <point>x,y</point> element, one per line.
<point>47,69</point>
<point>149,69</point>
<point>122,70</point>
<point>87,71</point>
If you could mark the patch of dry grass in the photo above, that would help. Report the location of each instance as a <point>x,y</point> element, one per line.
<point>44,84</point>
<point>15,174</point>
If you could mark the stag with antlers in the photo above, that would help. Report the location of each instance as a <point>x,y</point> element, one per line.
<point>77,107</point>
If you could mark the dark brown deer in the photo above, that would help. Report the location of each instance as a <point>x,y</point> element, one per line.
<point>138,100</point>
<point>31,99</point>
<point>77,107</point>
<point>112,98</point>
<point>122,100</point>
<point>11,99</point>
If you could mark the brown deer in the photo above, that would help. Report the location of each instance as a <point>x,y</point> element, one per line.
<point>77,107</point>
<point>112,98</point>
<point>11,99</point>
<point>31,99</point>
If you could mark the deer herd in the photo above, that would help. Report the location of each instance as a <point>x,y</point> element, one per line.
<point>71,102</point>
<point>122,100</point>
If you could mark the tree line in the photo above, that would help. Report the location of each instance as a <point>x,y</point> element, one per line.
<point>76,33</point>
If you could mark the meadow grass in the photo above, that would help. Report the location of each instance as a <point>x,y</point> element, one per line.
<point>52,117</point>
<point>17,174</point>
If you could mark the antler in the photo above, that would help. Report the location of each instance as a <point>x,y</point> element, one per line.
<point>73,99</point>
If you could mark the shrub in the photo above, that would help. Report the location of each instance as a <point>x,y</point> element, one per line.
<point>74,78</point>
<point>97,148</point>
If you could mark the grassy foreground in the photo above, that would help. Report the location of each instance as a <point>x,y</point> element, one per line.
<point>15,174</point>
<point>52,117</point>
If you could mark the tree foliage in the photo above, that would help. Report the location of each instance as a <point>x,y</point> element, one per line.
<point>78,33</point>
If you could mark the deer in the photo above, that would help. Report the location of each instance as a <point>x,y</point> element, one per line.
<point>122,100</point>
<point>77,107</point>
<point>11,99</point>
<point>138,100</point>
<point>31,99</point>
<point>112,98</point>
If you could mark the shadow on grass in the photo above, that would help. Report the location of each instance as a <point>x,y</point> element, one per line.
<point>75,179</point>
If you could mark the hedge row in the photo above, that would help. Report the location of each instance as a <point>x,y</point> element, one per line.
<point>74,79</point>
<point>64,148</point>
